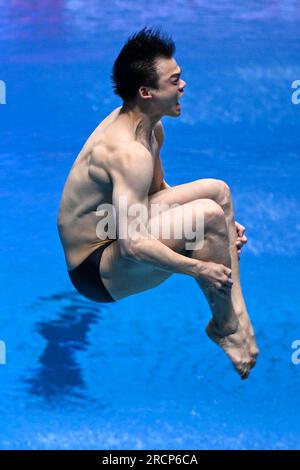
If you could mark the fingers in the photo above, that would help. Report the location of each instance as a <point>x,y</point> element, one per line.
<point>226,280</point>
<point>240,229</point>
<point>222,283</point>
<point>241,237</point>
<point>222,288</point>
<point>241,240</point>
<point>227,271</point>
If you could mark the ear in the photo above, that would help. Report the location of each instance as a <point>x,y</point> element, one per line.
<point>145,92</point>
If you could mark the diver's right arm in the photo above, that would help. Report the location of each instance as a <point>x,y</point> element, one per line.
<point>131,174</point>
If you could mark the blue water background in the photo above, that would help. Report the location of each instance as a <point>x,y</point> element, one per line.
<point>141,373</point>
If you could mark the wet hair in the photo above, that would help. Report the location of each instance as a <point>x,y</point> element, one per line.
<point>135,65</point>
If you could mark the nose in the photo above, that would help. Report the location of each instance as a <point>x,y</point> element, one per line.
<point>183,84</point>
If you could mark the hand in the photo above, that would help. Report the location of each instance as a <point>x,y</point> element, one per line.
<point>214,276</point>
<point>241,237</point>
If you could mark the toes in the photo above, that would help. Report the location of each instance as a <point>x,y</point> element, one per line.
<point>243,368</point>
<point>245,372</point>
<point>236,347</point>
<point>253,360</point>
<point>245,375</point>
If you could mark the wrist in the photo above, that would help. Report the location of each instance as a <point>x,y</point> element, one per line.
<point>194,267</point>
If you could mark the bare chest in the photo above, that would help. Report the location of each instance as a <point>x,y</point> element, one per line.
<point>157,168</point>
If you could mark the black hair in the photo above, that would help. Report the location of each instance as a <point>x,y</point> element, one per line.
<point>135,65</point>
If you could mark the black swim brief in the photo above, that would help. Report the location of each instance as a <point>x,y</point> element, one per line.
<point>87,280</point>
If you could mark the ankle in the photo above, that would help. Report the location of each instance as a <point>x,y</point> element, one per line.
<point>226,326</point>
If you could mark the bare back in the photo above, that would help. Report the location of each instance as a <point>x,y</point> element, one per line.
<point>89,184</point>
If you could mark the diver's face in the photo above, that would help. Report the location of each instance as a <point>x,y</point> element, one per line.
<point>165,99</point>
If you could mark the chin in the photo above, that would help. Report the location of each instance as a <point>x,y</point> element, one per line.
<point>174,112</point>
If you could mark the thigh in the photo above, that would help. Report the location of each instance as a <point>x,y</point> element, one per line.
<point>123,277</point>
<point>206,188</point>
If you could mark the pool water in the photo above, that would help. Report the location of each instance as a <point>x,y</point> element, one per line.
<point>141,373</point>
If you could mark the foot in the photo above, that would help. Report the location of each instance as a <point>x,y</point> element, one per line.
<point>246,326</point>
<point>235,345</point>
<point>252,348</point>
<point>226,326</point>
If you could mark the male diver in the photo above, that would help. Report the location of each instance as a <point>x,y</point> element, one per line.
<point>119,162</point>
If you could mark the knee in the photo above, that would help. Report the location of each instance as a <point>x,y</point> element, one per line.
<point>223,194</point>
<point>220,192</point>
<point>214,220</point>
<point>212,210</point>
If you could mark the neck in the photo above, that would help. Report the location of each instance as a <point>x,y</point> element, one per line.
<point>143,122</point>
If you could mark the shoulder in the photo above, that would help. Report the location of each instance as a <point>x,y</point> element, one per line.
<point>131,165</point>
<point>119,150</point>
<point>129,151</point>
<point>124,157</point>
